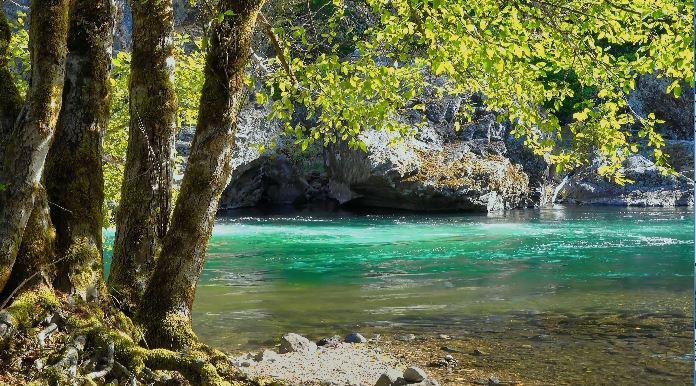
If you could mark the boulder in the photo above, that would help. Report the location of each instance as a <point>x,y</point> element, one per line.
<point>650,188</point>
<point>295,343</point>
<point>434,171</point>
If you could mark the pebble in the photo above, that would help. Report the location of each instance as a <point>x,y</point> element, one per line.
<point>266,355</point>
<point>439,363</point>
<point>449,358</point>
<point>443,336</point>
<point>405,338</point>
<point>355,338</point>
<point>478,352</point>
<point>492,381</point>
<point>414,374</point>
<point>330,341</point>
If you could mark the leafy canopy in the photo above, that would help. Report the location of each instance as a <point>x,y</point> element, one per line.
<point>528,58</point>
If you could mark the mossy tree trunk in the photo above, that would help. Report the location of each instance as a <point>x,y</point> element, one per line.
<point>143,215</point>
<point>34,266</point>
<point>10,100</point>
<point>36,250</point>
<point>26,149</point>
<point>165,311</point>
<point>73,176</point>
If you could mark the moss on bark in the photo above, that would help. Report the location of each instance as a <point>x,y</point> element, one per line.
<point>25,152</point>
<point>142,218</point>
<point>74,174</point>
<point>166,306</point>
<point>36,256</point>
<point>10,100</point>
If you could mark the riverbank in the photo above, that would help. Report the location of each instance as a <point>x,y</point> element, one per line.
<point>573,349</point>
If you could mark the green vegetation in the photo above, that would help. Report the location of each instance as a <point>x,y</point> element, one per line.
<point>533,61</point>
<point>558,71</point>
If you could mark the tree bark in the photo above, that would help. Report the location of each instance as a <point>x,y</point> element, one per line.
<point>165,312</point>
<point>25,152</point>
<point>34,266</point>
<point>10,100</point>
<point>74,175</point>
<point>143,215</point>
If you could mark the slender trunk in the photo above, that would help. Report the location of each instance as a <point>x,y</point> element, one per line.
<point>143,214</point>
<point>165,311</point>
<point>73,175</point>
<point>25,152</point>
<point>10,100</point>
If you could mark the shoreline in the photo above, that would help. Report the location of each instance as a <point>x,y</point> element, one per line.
<point>636,349</point>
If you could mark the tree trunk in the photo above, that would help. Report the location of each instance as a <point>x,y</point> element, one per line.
<point>25,152</point>
<point>10,100</point>
<point>165,312</point>
<point>143,215</point>
<point>34,265</point>
<point>74,175</point>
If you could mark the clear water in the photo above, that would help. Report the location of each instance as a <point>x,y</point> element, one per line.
<point>314,275</point>
<point>321,275</point>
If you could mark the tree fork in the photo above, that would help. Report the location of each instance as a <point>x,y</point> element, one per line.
<point>165,312</point>
<point>25,152</point>
<point>142,218</point>
<point>74,174</point>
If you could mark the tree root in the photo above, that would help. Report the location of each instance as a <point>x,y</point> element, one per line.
<point>95,344</point>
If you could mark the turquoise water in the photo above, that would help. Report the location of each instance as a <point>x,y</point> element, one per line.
<point>321,275</point>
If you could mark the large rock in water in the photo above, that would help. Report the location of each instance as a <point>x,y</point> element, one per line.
<point>479,168</point>
<point>650,187</point>
<point>436,170</point>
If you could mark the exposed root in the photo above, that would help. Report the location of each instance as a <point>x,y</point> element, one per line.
<point>24,310</point>
<point>56,342</point>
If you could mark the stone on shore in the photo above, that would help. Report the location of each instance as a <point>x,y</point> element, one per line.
<point>331,341</point>
<point>296,343</point>
<point>391,377</point>
<point>266,355</point>
<point>355,338</point>
<point>414,374</point>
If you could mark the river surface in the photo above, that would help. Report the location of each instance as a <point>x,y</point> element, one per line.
<point>513,274</point>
